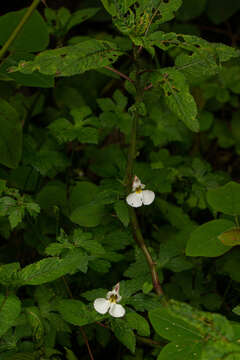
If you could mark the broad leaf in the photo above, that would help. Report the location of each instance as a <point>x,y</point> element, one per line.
<point>181,350</point>
<point>204,240</point>
<point>72,60</point>
<point>225,198</point>
<point>75,312</point>
<point>32,37</point>
<point>10,307</point>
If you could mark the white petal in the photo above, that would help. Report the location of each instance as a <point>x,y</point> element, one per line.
<point>148,197</point>
<point>134,199</point>
<point>101,305</point>
<point>117,310</point>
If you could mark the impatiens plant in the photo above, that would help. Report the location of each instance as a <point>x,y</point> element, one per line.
<point>97,97</point>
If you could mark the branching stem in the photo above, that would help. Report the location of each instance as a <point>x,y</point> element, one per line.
<point>18,28</point>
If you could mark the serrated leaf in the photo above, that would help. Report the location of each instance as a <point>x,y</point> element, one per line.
<point>10,307</point>
<point>204,240</point>
<point>122,212</point>
<point>124,334</point>
<point>11,135</point>
<point>225,198</point>
<point>76,312</point>
<point>50,269</point>
<point>177,96</point>
<point>72,60</point>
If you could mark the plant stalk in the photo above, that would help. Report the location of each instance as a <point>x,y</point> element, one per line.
<point>18,28</point>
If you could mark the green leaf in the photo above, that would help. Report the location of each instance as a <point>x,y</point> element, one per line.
<point>32,37</point>
<point>230,237</point>
<point>8,272</point>
<point>10,307</point>
<point>35,79</point>
<point>50,269</point>
<point>223,10</point>
<point>177,96</point>
<point>10,136</point>
<point>72,60</point>
<point>204,240</point>
<point>83,210</point>
<point>122,212</point>
<point>138,322</point>
<point>124,334</point>
<point>80,16</point>
<point>188,11</point>
<point>75,312</point>
<point>181,350</point>
<point>225,198</point>
<point>170,327</point>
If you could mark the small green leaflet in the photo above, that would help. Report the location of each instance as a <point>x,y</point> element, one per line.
<point>72,60</point>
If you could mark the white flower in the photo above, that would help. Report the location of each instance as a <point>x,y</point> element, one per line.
<point>102,305</point>
<point>139,196</point>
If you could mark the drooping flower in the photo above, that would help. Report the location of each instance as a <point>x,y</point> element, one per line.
<point>103,305</point>
<point>139,196</point>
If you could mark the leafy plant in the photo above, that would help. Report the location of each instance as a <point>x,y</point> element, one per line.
<point>119,169</point>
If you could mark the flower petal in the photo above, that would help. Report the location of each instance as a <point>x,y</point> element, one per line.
<point>134,199</point>
<point>147,197</point>
<point>117,310</point>
<point>101,305</point>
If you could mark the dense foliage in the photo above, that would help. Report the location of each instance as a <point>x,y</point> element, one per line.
<point>92,94</point>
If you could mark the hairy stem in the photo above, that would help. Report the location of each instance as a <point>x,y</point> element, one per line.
<point>18,28</point>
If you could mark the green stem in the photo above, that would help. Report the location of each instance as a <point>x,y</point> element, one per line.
<point>18,28</point>
<point>131,154</point>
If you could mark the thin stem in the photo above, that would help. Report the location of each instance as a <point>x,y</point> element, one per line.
<point>140,241</point>
<point>119,73</point>
<point>18,28</point>
<point>128,181</point>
